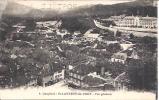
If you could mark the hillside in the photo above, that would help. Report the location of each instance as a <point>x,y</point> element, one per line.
<point>140,7</point>
<point>17,10</point>
<point>136,8</point>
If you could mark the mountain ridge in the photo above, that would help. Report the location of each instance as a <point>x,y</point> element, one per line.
<point>137,7</point>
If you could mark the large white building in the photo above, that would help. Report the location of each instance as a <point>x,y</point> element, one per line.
<point>135,21</point>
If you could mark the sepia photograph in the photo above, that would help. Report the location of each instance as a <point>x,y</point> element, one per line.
<point>78,49</point>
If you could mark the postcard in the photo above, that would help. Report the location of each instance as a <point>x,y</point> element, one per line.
<point>78,49</point>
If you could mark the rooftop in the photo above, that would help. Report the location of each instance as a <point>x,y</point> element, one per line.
<point>128,52</point>
<point>93,81</point>
<point>96,80</point>
<point>122,77</point>
<point>51,68</point>
<point>83,69</point>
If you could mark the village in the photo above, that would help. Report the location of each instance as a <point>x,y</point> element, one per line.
<point>46,53</point>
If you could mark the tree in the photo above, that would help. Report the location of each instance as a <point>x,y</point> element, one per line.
<point>41,56</point>
<point>142,75</point>
<point>30,25</point>
<point>118,34</point>
<point>131,36</point>
<point>113,48</point>
<point>148,40</point>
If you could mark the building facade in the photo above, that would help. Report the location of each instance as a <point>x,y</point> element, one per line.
<point>51,79</point>
<point>119,57</point>
<point>76,79</point>
<point>59,75</point>
<point>51,74</point>
<point>123,56</point>
<point>136,21</point>
<point>86,77</point>
<point>121,82</point>
<point>77,74</point>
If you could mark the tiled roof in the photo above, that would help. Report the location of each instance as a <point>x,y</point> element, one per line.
<point>122,77</point>
<point>128,52</point>
<point>56,67</point>
<point>83,69</point>
<point>52,67</point>
<point>93,81</point>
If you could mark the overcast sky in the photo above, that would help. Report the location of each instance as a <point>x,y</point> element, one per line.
<point>63,5</point>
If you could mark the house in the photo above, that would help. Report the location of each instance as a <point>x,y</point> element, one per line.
<point>94,81</point>
<point>32,82</point>
<point>121,82</point>
<point>119,57</point>
<point>58,24</point>
<point>111,42</point>
<point>125,46</point>
<point>13,56</point>
<point>46,24</point>
<point>19,27</point>
<point>92,35</point>
<point>3,81</point>
<point>51,73</point>
<point>49,35</point>
<point>86,77</point>
<point>123,56</point>
<point>77,33</point>
<point>71,42</point>
<point>62,32</point>
<point>45,80</point>
<point>77,74</point>
<point>116,18</point>
<point>59,75</point>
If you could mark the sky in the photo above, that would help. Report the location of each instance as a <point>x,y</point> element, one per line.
<point>3,4</point>
<point>63,5</point>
